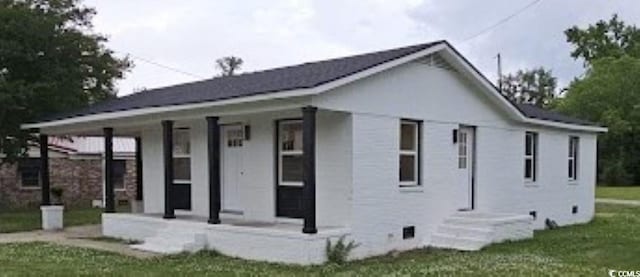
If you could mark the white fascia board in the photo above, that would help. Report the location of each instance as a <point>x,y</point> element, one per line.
<point>484,84</point>
<point>516,114</point>
<point>561,125</point>
<point>173,108</point>
<point>260,97</point>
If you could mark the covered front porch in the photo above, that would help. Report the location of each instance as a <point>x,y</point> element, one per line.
<point>233,177</point>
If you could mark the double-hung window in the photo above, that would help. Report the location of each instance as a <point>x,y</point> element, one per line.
<point>290,152</point>
<point>119,171</point>
<point>181,157</point>
<point>29,170</point>
<point>573,158</point>
<point>409,153</point>
<point>530,156</point>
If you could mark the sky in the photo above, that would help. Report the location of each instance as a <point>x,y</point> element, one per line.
<point>190,35</point>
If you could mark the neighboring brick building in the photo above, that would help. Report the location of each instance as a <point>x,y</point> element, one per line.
<point>76,165</point>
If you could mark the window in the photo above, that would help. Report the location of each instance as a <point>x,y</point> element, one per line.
<point>290,152</point>
<point>119,171</point>
<point>181,157</point>
<point>573,158</point>
<point>29,171</point>
<point>409,152</point>
<point>462,149</point>
<point>530,156</point>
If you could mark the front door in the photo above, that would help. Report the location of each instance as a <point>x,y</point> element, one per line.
<point>466,137</point>
<point>232,167</point>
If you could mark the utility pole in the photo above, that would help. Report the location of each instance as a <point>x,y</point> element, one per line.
<point>499,72</point>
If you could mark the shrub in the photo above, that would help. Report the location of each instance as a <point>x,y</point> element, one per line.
<point>339,252</point>
<point>57,192</point>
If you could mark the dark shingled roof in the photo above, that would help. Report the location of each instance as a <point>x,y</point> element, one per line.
<point>302,76</point>
<point>532,111</point>
<point>307,75</point>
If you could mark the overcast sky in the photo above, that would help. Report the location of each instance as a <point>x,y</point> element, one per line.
<point>190,35</point>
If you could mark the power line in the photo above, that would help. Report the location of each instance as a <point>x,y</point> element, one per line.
<point>501,21</point>
<point>162,65</point>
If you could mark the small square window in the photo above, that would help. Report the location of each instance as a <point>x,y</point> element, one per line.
<point>408,232</point>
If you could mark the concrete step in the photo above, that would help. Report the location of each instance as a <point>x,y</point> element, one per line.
<point>468,231</point>
<point>473,230</point>
<point>439,240</point>
<point>173,241</point>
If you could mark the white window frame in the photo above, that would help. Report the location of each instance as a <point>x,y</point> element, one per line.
<point>182,155</point>
<point>415,153</point>
<point>573,158</point>
<point>282,153</point>
<point>533,156</point>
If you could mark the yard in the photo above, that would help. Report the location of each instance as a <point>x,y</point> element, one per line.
<point>610,242</point>
<point>613,192</point>
<point>29,219</point>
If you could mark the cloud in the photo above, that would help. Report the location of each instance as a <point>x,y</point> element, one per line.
<point>533,38</point>
<point>192,34</point>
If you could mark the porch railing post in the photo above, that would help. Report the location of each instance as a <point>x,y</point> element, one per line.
<point>139,169</point>
<point>167,148</point>
<point>44,169</point>
<point>213,145</point>
<point>309,168</point>
<point>108,171</point>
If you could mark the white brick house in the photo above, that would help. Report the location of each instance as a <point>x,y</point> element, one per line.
<point>398,149</point>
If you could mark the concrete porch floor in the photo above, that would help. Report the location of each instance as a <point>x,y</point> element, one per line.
<point>254,240</point>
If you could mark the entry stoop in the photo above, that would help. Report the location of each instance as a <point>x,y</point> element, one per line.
<point>471,231</point>
<point>174,239</point>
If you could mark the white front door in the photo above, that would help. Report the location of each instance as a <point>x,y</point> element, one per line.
<point>232,167</point>
<point>465,167</point>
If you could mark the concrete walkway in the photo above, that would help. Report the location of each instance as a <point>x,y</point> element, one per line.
<point>618,201</point>
<point>81,236</point>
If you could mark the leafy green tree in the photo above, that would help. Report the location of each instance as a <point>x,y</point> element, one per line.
<point>610,94</point>
<point>611,38</point>
<point>536,86</point>
<point>51,61</point>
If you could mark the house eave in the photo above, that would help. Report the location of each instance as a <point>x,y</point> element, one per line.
<point>460,61</point>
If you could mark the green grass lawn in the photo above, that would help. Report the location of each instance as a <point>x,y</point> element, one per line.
<point>611,241</point>
<point>625,193</point>
<point>29,219</point>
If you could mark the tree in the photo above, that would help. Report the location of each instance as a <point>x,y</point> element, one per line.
<point>50,62</point>
<point>229,65</point>
<point>611,38</point>
<point>610,94</point>
<point>536,86</point>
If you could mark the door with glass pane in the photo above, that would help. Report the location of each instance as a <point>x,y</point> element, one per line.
<point>465,168</point>
<point>289,202</point>
<point>232,167</point>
